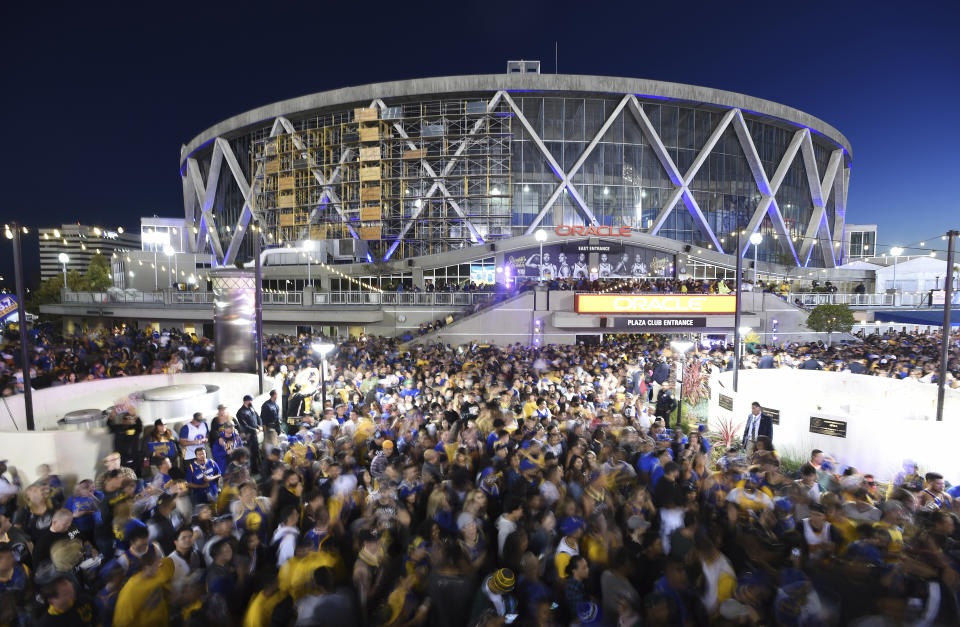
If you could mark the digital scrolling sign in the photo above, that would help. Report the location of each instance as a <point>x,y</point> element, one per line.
<point>655,304</point>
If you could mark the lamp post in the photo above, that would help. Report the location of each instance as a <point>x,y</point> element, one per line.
<point>541,237</point>
<point>945,334</point>
<point>64,259</point>
<point>896,251</point>
<point>323,348</point>
<point>756,240</point>
<point>308,247</point>
<point>736,318</point>
<point>169,252</point>
<point>680,346</point>
<point>13,232</point>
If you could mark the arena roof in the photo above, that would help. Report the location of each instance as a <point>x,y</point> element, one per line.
<point>568,83</point>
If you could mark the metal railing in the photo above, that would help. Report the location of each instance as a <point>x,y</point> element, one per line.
<point>900,299</point>
<point>400,299</point>
<point>403,299</point>
<point>283,298</point>
<point>853,300</point>
<point>118,296</point>
<point>191,298</point>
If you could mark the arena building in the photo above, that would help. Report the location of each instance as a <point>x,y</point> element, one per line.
<point>404,169</point>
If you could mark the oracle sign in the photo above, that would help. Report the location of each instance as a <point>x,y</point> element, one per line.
<point>655,303</point>
<point>610,231</point>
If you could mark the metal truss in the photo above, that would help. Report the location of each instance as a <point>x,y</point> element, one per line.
<point>199,195</point>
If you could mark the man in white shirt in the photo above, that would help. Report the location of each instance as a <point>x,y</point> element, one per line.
<point>193,435</point>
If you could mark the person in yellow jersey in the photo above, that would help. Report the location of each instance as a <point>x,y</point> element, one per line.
<point>269,602</point>
<point>572,529</point>
<point>143,600</point>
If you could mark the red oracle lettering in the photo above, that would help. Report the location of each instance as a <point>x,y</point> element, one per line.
<point>563,229</point>
<point>578,230</point>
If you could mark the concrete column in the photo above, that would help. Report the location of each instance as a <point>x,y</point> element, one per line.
<point>418,278</point>
<point>308,296</point>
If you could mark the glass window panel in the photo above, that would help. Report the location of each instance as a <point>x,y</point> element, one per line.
<point>573,119</point>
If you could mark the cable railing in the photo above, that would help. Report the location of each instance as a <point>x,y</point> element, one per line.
<point>111,296</point>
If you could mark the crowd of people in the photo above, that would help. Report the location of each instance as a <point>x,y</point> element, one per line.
<point>896,355</point>
<point>473,485</point>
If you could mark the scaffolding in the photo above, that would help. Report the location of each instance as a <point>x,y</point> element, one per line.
<point>434,175</point>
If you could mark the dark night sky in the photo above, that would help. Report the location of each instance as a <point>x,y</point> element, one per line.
<point>98,100</point>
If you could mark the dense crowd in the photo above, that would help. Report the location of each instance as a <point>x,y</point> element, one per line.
<point>118,352</point>
<point>473,485</point>
<point>896,355</point>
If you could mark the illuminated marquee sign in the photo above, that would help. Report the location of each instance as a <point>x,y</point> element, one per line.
<point>655,303</point>
<point>609,231</point>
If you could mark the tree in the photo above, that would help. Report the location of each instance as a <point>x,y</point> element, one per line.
<point>99,276</point>
<point>831,319</point>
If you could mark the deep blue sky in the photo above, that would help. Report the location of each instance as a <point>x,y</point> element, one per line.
<point>98,100</point>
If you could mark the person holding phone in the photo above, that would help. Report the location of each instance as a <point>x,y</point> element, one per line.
<point>496,593</point>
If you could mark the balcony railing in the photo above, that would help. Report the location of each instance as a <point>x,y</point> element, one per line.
<point>403,299</point>
<point>853,300</point>
<point>118,296</point>
<point>345,299</point>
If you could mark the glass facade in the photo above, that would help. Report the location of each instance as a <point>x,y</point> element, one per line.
<point>429,175</point>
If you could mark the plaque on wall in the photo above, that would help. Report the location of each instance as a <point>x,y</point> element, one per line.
<point>726,402</point>
<point>828,426</point>
<point>773,413</point>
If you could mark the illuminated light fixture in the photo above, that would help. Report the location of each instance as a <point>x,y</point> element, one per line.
<point>98,251</point>
<point>923,243</point>
<point>933,253</point>
<point>56,233</point>
<point>195,230</point>
<point>120,230</point>
<point>417,203</point>
<point>97,231</point>
<point>141,262</point>
<point>526,188</point>
<point>131,274</point>
<point>46,236</point>
<point>174,229</point>
<point>896,251</point>
<point>495,191</point>
<point>83,246</point>
<point>26,231</point>
<point>606,191</point>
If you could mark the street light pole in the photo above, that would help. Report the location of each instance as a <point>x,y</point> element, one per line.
<point>258,305</point>
<point>22,320</point>
<point>64,259</point>
<point>323,348</point>
<point>945,339</point>
<point>736,319</point>
<point>755,239</point>
<point>896,251</point>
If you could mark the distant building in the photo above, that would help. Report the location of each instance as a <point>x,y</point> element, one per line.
<point>81,243</point>
<point>860,241</point>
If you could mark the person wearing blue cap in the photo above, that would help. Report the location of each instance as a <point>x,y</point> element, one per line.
<point>572,529</point>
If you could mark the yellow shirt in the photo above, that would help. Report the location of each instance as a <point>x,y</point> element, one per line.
<point>261,608</point>
<point>143,600</point>
<point>529,408</point>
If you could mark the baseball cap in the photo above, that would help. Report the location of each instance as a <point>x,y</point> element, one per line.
<point>247,397</point>
<point>387,444</point>
<point>636,522</point>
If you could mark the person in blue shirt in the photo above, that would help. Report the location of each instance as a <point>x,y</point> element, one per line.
<point>84,506</point>
<point>227,441</point>
<point>203,476</point>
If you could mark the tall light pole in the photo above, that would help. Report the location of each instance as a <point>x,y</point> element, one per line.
<point>896,251</point>
<point>64,259</point>
<point>945,339</point>
<point>258,302</point>
<point>14,232</point>
<point>756,239</point>
<point>323,348</point>
<point>736,317</point>
<point>680,346</point>
<point>541,237</point>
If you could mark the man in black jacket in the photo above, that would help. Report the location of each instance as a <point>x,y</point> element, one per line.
<point>758,424</point>
<point>270,415</point>
<point>250,427</point>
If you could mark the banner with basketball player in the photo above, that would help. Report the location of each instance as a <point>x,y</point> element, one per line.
<point>572,261</point>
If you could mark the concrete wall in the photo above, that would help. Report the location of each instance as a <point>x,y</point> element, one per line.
<point>77,453</point>
<point>887,420</point>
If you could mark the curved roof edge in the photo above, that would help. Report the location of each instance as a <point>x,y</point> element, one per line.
<point>643,88</point>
